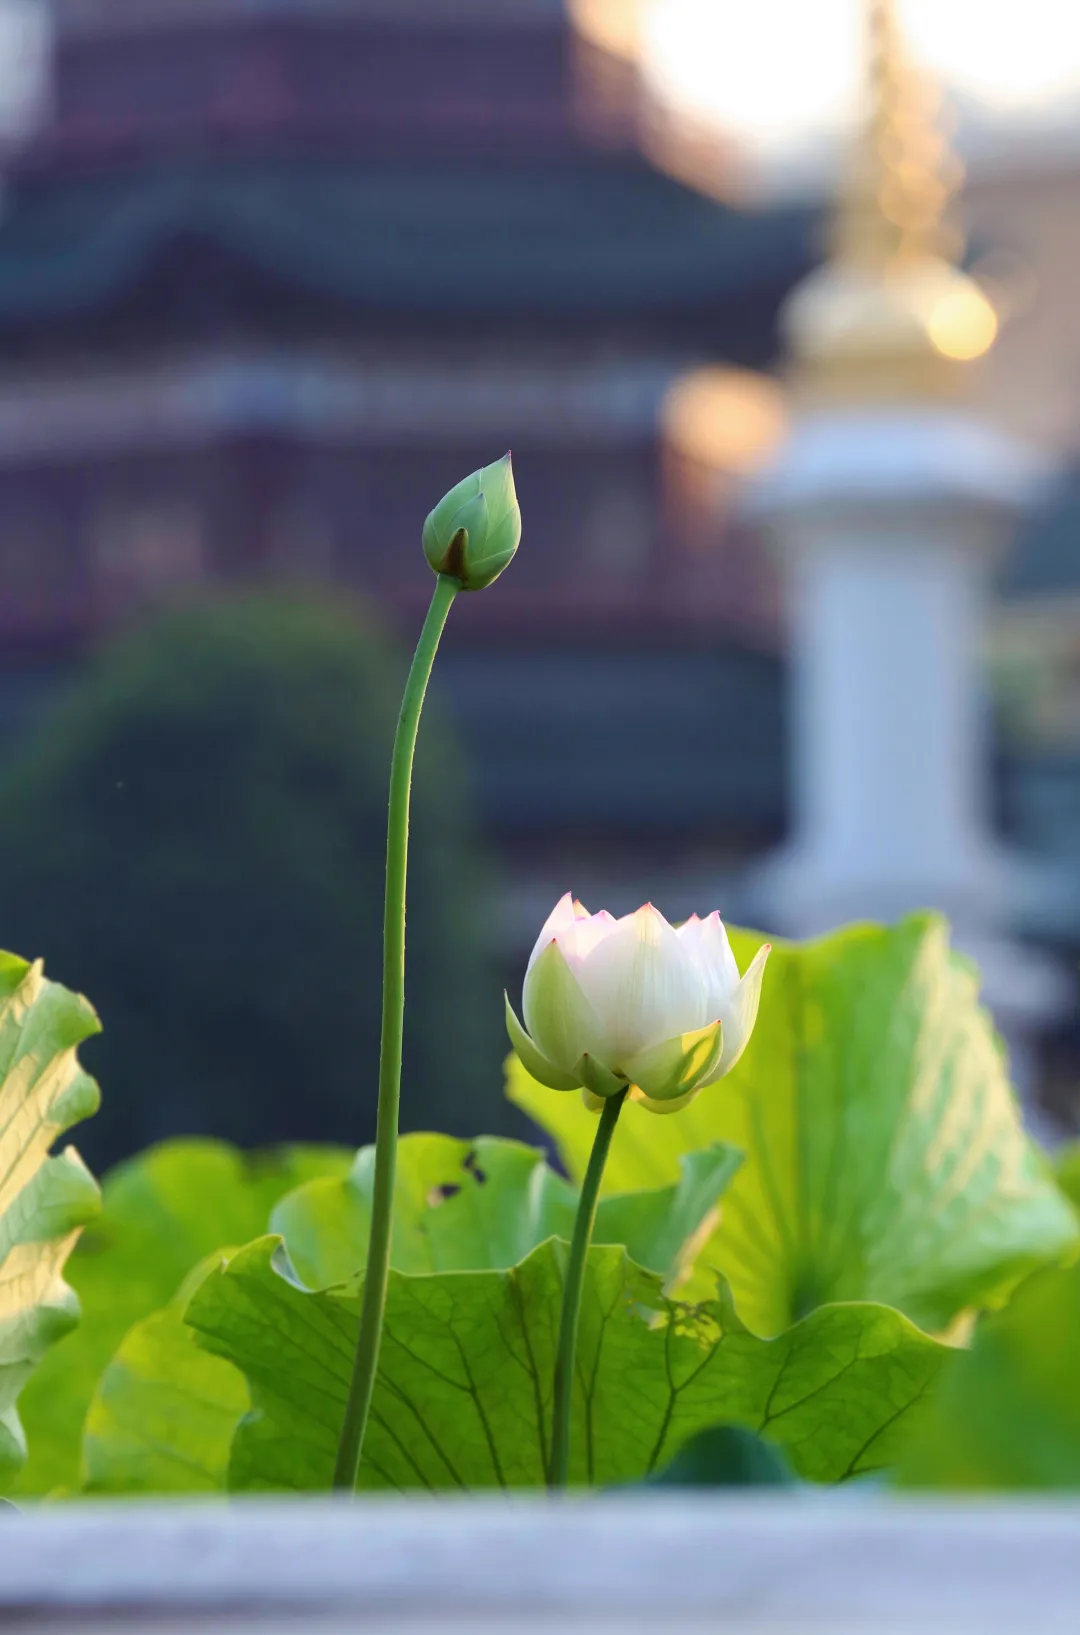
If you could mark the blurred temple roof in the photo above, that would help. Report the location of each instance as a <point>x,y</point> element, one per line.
<point>494,239</point>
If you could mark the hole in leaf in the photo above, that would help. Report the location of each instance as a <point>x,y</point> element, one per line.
<point>469,1163</point>
<point>439,1195</point>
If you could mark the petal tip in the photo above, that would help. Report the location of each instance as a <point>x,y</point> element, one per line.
<point>648,914</point>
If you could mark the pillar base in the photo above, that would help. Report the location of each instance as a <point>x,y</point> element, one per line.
<point>1026,991</point>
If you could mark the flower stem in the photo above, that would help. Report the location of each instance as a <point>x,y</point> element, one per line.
<point>366,1361</point>
<point>559,1462</point>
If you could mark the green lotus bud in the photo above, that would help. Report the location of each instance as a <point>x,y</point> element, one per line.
<point>474,530</point>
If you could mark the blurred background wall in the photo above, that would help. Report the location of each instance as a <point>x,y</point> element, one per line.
<point>273,275</point>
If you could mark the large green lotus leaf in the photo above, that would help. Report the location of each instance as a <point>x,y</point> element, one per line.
<point>666,1230</point>
<point>457,1204</point>
<point>163,1414</point>
<point>1008,1412</point>
<point>44,1201</point>
<point>885,1157</point>
<point>462,1398</point>
<point>483,1205</point>
<point>1067,1170</point>
<point>164,1211</point>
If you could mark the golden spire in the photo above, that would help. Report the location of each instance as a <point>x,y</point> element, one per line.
<point>889,315</point>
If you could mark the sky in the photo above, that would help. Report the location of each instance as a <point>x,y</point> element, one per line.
<point>776,73</point>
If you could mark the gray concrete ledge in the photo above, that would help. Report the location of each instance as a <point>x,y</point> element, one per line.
<point>839,1563</point>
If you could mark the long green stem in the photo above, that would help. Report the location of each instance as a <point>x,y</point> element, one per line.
<point>366,1361</point>
<point>559,1462</point>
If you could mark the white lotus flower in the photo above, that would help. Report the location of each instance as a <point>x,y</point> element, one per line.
<point>610,1003</point>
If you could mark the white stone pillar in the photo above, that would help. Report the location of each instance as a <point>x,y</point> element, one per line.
<point>887,524</point>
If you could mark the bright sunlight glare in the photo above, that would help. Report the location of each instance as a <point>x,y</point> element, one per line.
<point>776,71</point>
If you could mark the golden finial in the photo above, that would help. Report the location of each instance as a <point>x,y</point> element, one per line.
<point>889,315</point>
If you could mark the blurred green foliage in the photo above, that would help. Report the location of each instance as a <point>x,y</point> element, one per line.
<point>196,835</point>
<point>1067,1168</point>
<point>164,1413</point>
<point>1007,1412</point>
<point>162,1213</point>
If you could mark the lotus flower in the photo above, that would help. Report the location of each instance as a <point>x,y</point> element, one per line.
<point>634,1002</point>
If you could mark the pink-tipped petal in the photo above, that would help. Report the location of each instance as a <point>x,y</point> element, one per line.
<point>689,934</point>
<point>585,935</point>
<point>561,918</point>
<point>717,963</point>
<point>558,1015</point>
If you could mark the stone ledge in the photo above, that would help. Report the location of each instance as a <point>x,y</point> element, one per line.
<point>768,1565</point>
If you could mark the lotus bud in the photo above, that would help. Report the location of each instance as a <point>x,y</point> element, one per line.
<point>634,1003</point>
<point>475,530</point>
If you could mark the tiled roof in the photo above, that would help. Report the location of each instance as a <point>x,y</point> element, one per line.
<point>596,238</point>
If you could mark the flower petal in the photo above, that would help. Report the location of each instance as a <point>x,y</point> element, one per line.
<point>651,1106</point>
<point>707,941</point>
<point>643,985</point>
<point>689,933</point>
<point>586,932</point>
<point>561,918</point>
<point>557,1014</point>
<point>717,963</point>
<point>598,1079</point>
<point>740,1014</point>
<point>533,1060</point>
<point>670,1070</point>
